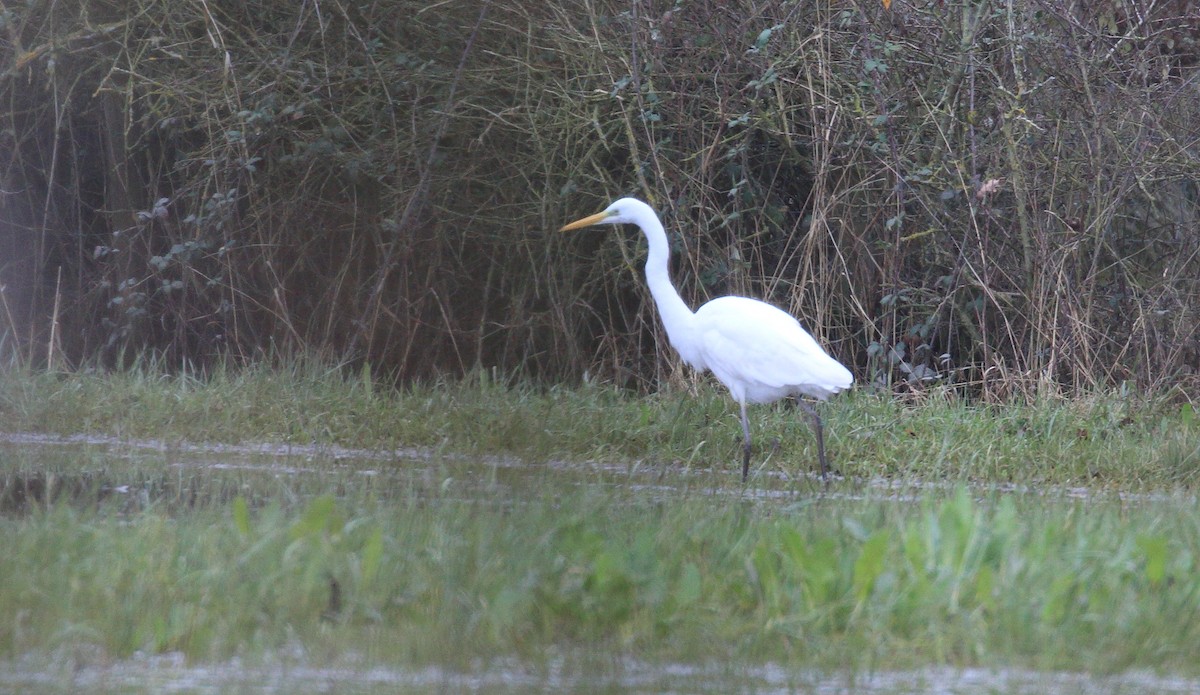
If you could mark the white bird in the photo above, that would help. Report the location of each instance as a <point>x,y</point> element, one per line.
<point>758,351</point>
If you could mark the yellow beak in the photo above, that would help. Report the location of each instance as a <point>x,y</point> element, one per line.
<point>587,221</point>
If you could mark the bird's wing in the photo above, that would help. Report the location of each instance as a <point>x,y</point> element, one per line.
<point>754,346</point>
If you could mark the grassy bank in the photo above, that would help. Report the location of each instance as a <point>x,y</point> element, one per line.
<point>1113,441</point>
<point>454,555</point>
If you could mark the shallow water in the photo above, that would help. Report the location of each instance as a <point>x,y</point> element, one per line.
<point>170,674</point>
<point>131,476</point>
<point>89,469</point>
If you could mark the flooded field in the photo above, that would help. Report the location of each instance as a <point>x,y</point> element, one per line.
<point>36,467</point>
<point>143,566</point>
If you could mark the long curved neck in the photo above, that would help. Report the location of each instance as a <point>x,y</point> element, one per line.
<point>676,316</point>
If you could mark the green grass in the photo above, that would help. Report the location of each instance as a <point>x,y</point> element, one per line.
<point>454,555</point>
<point>1106,441</point>
<point>865,585</point>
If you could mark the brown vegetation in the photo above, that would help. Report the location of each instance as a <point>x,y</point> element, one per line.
<point>1002,195</point>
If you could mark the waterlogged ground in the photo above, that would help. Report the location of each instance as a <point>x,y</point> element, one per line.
<point>169,674</point>
<point>143,470</point>
<point>312,503</point>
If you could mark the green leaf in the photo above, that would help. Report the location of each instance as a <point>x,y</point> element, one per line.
<point>763,571</point>
<point>241,515</point>
<point>984,583</point>
<point>764,37</point>
<point>1188,414</point>
<point>1058,599</point>
<point>1155,550</point>
<point>315,518</point>
<point>823,572</point>
<point>871,563</point>
<point>793,547</point>
<point>372,553</point>
<point>366,379</point>
<point>687,591</point>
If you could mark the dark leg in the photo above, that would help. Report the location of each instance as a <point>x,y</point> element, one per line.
<point>746,446</point>
<point>820,432</point>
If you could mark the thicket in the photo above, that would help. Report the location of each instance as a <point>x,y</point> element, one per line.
<point>1001,195</point>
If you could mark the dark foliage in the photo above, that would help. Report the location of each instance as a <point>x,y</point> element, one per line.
<point>945,192</point>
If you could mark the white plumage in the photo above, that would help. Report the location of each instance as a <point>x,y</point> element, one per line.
<point>759,352</point>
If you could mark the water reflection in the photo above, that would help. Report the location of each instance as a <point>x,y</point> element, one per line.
<point>132,475</point>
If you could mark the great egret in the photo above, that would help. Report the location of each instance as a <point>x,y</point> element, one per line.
<point>759,352</point>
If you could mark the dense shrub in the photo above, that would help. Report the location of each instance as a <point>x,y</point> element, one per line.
<point>1001,195</point>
